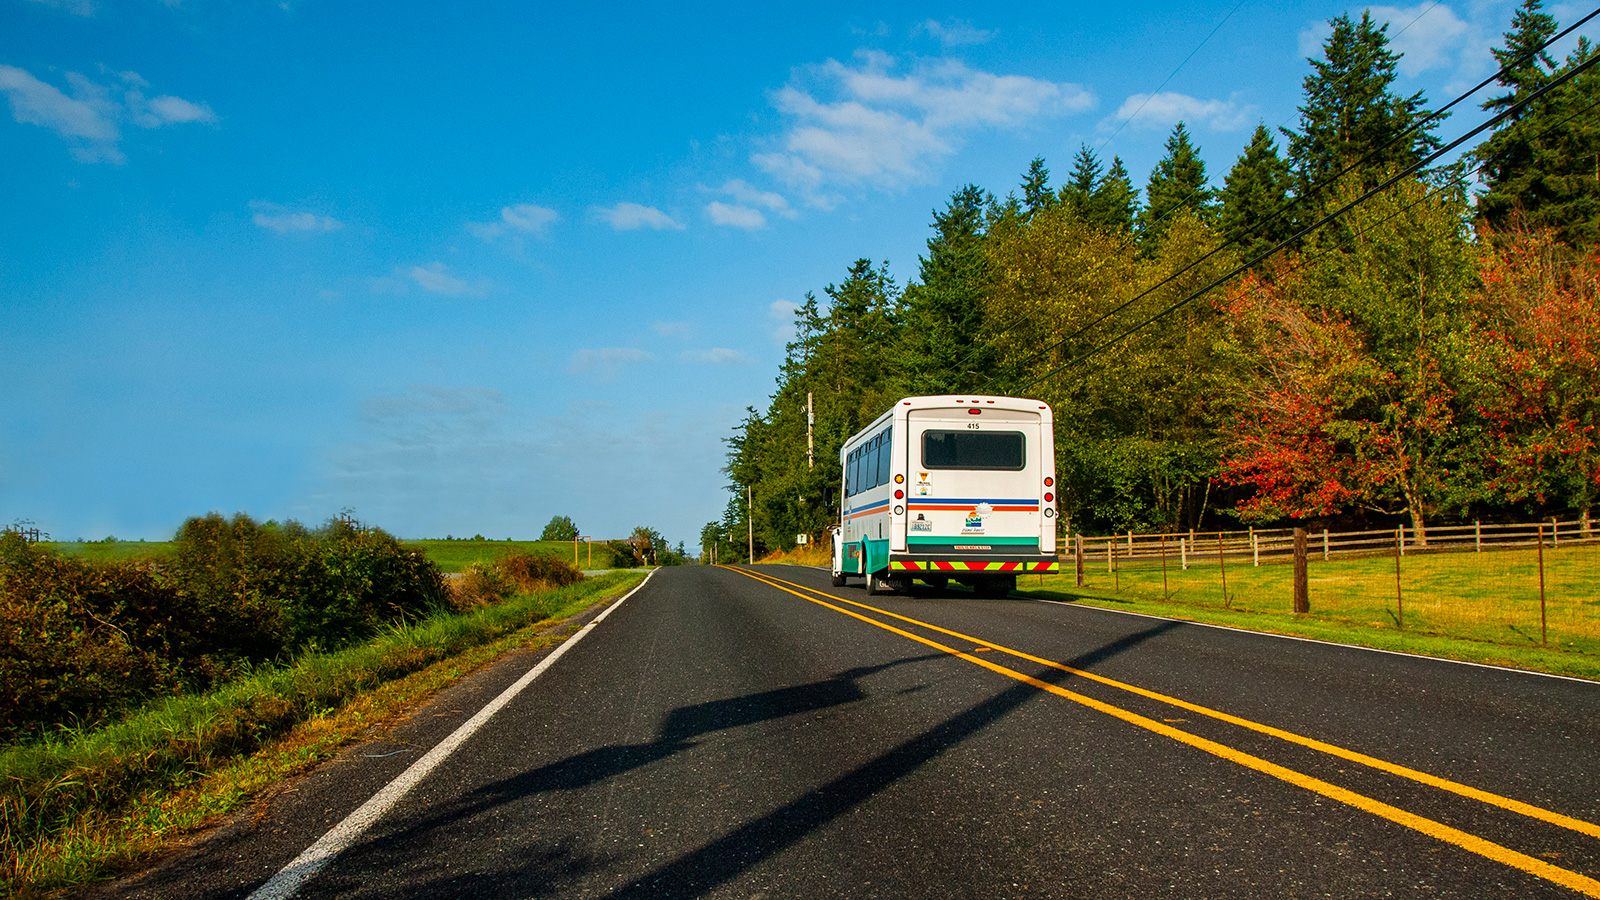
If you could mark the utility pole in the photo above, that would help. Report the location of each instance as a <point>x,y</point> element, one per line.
<point>811,419</point>
<point>750,520</point>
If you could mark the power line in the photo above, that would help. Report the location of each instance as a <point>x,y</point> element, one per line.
<point>1403,174</point>
<point>1127,239</point>
<point>1295,201</point>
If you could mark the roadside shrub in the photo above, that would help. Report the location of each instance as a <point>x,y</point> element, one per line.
<point>534,573</point>
<point>80,641</point>
<point>480,585</point>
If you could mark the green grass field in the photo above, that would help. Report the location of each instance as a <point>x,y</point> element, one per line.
<point>455,556</point>
<point>449,556</point>
<point>1483,598</point>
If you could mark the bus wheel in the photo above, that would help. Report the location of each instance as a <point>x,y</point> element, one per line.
<point>875,584</point>
<point>838,579</point>
<point>996,588</point>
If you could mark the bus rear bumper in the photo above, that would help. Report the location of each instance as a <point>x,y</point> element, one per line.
<point>1043,565</point>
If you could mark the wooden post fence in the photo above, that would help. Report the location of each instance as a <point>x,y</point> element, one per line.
<point>1080,560</point>
<point>1302,589</point>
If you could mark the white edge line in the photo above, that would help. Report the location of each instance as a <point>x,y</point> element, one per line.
<point>302,868</point>
<point>1294,637</point>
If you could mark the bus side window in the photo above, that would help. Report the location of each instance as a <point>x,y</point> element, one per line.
<point>871,464</point>
<point>850,474</point>
<point>885,458</point>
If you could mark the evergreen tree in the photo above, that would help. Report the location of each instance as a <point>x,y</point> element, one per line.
<point>1526,67</point>
<point>1080,187</point>
<point>1351,112</point>
<point>1115,204</point>
<point>1177,182</point>
<point>942,349</point>
<point>1036,192</point>
<point>1541,162</point>
<point>1254,196</point>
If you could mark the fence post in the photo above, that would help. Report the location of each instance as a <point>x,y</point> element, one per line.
<point>1544,632</point>
<point>1080,560</point>
<point>1130,541</point>
<point>1222,565</point>
<point>1302,588</point>
<point>1477,536</point>
<point>1183,554</point>
<point>1165,594</point>
<point>1555,532</point>
<point>1109,567</point>
<point>1399,601</point>
<point>1324,545</point>
<point>1255,546</point>
<point>1116,575</point>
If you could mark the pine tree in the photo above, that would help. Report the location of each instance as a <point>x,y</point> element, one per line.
<point>942,348</point>
<point>1254,196</point>
<point>1541,163</point>
<point>1351,112</point>
<point>1079,190</point>
<point>1177,182</point>
<point>1036,192</point>
<point>1115,204</point>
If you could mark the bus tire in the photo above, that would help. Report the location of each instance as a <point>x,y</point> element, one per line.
<point>875,584</point>
<point>837,578</point>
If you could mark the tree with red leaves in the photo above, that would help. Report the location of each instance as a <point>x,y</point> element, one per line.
<point>1539,370</point>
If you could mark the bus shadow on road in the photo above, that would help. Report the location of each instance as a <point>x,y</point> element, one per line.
<point>678,732</point>
<point>702,871</point>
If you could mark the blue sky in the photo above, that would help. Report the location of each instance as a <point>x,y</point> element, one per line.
<point>463,268</point>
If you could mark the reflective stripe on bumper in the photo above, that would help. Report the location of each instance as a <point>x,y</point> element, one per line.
<point>942,565</point>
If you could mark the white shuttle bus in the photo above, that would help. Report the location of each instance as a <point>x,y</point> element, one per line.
<point>949,488</point>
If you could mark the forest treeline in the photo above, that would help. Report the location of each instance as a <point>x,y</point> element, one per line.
<point>1432,352</point>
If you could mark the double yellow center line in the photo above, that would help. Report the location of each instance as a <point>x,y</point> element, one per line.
<point>1488,849</point>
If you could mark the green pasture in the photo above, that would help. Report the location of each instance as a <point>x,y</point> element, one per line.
<point>109,551</point>
<point>1489,598</point>
<point>455,556</point>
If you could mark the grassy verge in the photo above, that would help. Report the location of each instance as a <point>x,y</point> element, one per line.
<point>804,555</point>
<point>1255,605</point>
<point>76,807</point>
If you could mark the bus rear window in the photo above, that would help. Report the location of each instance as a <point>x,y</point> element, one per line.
<point>1001,450</point>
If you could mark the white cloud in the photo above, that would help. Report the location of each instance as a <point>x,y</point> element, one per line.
<point>605,363</point>
<point>1162,111</point>
<point>632,216</point>
<point>166,110</point>
<point>717,356</point>
<point>435,279</point>
<point>872,123</point>
<point>90,118</point>
<point>748,195</point>
<point>521,218</point>
<point>736,216</point>
<point>275,218</point>
<point>1429,36</point>
<point>954,32</point>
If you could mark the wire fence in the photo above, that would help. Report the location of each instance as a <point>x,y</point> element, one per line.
<point>1519,582</point>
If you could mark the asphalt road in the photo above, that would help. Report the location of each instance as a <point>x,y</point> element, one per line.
<point>721,735</point>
